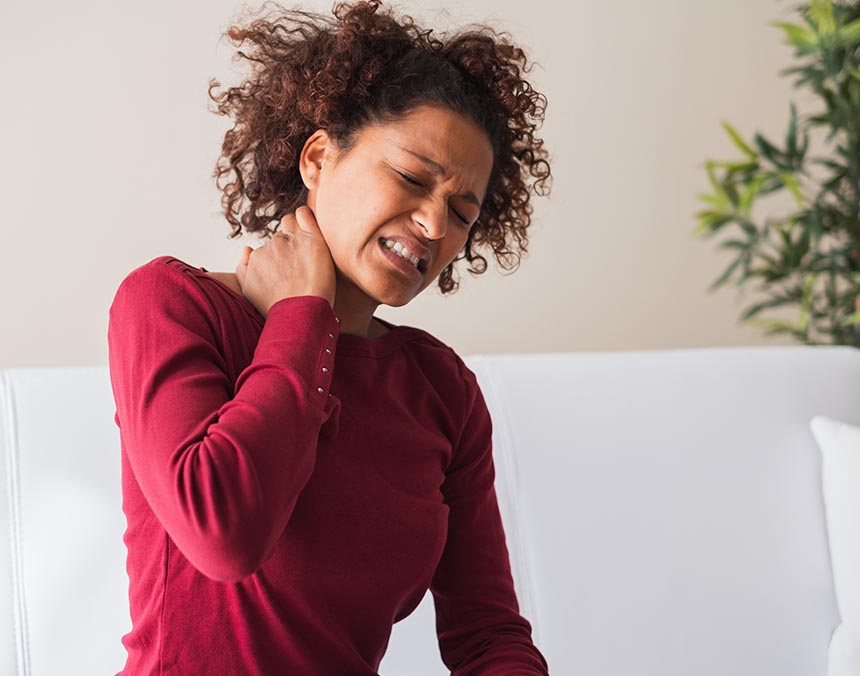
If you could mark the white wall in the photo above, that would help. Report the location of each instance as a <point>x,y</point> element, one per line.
<point>108,149</point>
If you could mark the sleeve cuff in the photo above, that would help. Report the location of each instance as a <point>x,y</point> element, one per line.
<point>303,331</point>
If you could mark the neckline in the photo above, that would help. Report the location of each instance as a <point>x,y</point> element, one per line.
<point>347,343</point>
<point>361,346</point>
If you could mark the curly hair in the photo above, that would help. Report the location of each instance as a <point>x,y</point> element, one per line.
<point>366,66</point>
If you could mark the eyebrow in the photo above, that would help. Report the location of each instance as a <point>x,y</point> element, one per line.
<point>439,170</point>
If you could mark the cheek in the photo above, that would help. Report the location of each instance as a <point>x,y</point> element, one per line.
<point>446,257</point>
<point>333,213</point>
<point>459,245</point>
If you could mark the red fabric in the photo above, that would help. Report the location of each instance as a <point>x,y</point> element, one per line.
<point>291,491</point>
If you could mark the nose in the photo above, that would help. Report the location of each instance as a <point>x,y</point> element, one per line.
<point>432,216</point>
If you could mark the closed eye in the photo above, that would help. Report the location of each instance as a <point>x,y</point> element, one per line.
<point>411,180</point>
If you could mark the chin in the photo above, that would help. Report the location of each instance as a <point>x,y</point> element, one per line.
<point>395,303</point>
<point>393,299</point>
<point>396,295</point>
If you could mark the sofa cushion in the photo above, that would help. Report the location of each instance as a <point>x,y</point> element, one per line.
<point>840,476</point>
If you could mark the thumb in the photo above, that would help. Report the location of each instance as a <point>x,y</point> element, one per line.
<point>307,219</point>
<point>242,267</point>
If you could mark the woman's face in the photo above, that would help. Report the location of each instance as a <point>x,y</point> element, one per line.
<point>425,175</point>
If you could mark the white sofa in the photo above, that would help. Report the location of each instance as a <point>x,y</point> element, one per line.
<point>663,511</point>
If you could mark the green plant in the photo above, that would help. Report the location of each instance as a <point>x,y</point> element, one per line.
<point>811,257</point>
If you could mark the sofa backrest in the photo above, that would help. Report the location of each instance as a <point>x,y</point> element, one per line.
<point>64,588</point>
<point>662,508</point>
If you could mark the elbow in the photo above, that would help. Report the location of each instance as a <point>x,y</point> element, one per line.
<point>229,573</point>
<point>229,563</point>
<point>226,538</point>
<point>230,552</point>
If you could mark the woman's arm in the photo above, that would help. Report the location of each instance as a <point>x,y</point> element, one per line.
<point>478,623</point>
<point>221,465</point>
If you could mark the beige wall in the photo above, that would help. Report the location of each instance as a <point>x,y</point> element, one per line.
<point>108,150</point>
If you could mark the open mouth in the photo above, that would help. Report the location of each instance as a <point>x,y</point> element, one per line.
<point>402,263</point>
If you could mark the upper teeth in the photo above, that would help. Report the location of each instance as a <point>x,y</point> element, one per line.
<point>402,251</point>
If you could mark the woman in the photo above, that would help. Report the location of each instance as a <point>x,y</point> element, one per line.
<point>297,472</point>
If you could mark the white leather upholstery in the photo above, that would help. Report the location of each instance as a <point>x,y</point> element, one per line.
<point>663,512</point>
<point>64,601</point>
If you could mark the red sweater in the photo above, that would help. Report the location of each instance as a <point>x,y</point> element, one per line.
<point>291,492</point>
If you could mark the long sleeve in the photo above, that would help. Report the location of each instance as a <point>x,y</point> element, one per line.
<point>479,628</point>
<point>220,463</point>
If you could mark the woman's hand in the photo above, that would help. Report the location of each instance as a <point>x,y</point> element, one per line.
<point>296,261</point>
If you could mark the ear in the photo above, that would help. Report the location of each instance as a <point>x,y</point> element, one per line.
<point>318,146</point>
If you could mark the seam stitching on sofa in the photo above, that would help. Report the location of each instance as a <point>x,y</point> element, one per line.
<point>19,606</point>
<point>522,551</point>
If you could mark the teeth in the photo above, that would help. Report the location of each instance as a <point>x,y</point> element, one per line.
<point>402,251</point>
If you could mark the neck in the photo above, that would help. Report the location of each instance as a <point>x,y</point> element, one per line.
<point>355,311</point>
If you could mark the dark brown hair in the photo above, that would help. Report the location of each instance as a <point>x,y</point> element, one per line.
<point>365,65</point>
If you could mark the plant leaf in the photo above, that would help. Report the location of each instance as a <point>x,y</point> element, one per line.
<point>791,183</point>
<point>711,221</point>
<point>849,36</point>
<point>791,135</point>
<point>751,193</point>
<point>734,244</point>
<point>718,187</point>
<point>712,199</point>
<point>806,303</point>
<point>772,326</point>
<point>821,14</point>
<point>805,40</point>
<point>738,141</point>
<point>770,151</point>
<point>725,276</point>
<point>736,166</point>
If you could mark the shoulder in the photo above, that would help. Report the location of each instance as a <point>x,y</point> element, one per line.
<point>434,344</point>
<point>163,286</point>
<point>161,266</point>
<point>444,365</point>
<point>429,348</point>
<point>459,391</point>
<point>159,272</point>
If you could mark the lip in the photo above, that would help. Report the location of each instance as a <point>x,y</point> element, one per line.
<point>400,263</point>
<point>415,247</point>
